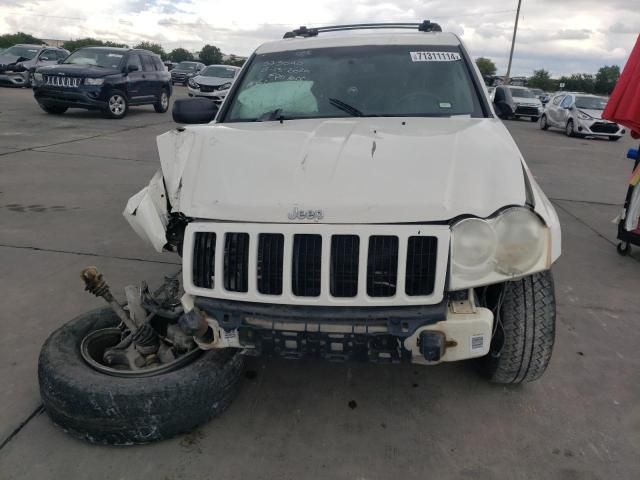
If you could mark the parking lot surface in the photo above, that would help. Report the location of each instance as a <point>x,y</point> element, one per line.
<point>64,181</point>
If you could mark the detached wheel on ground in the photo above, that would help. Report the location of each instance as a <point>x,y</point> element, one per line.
<point>52,109</point>
<point>117,410</point>
<point>543,123</point>
<point>524,331</point>
<point>162,105</point>
<point>117,105</point>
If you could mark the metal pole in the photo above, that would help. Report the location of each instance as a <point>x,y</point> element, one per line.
<point>513,44</point>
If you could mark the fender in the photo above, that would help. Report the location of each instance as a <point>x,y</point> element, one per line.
<point>147,213</point>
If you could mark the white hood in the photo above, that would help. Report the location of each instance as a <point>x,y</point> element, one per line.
<point>592,113</point>
<point>368,170</point>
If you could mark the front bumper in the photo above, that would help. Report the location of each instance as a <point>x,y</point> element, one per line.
<point>82,97</point>
<point>217,96</point>
<point>378,335</point>
<point>19,79</point>
<point>599,128</point>
<point>527,111</point>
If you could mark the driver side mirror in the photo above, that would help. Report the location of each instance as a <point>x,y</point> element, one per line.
<point>132,68</point>
<point>194,110</point>
<point>60,60</point>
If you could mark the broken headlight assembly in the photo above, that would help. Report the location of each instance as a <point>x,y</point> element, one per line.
<point>511,244</point>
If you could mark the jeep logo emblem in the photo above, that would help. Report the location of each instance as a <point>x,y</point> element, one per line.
<point>297,214</point>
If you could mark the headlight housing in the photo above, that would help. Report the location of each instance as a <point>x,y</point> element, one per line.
<point>224,86</point>
<point>93,81</point>
<point>37,77</point>
<point>192,83</point>
<point>514,243</point>
<point>583,116</point>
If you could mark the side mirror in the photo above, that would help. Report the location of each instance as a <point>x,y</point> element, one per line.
<point>194,110</point>
<point>60,60</point>
<point>132,68</point>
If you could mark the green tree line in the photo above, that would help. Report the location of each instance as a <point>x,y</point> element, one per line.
<point>601,83</point>
<point>209,54</point>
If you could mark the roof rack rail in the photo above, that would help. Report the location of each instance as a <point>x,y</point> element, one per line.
<point>425,26</point>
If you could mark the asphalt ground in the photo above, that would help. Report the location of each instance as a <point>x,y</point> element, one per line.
<point>64,181</point>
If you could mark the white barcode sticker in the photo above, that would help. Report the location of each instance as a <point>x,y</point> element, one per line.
<point>434,56</point>
<point>477,343</point>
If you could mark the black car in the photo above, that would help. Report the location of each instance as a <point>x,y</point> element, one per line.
<point>182,72</point>
<point>106,79</point>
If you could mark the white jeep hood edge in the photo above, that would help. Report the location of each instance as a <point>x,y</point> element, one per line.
<point>356,170</point>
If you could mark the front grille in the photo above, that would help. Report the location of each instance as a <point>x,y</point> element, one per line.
<point>204,253</point>
<point>524,110</point>
<point>236,262</point>
<point>604,127</point>
<point>307,263</point>
<point>421,259</point>
<point>59,81</point>
<point>345,253</point>
<point>382,266</point>
<point>270,263</point>
<point>207,88</point>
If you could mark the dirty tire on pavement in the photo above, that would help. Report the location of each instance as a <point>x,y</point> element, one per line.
<point>528,319</point>
<point>112,410</point>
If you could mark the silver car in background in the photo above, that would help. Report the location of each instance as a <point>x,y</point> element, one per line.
<point>18,63</point>
<point>213,82</point>
<point>579,115</point>
<point>526,103</point>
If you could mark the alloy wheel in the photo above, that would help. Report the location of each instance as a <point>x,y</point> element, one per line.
<point>117,105</point>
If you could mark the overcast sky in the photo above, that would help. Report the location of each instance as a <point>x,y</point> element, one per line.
<point>562,36</point>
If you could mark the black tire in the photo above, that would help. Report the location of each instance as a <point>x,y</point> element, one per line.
<point>614,138</point>
<point>623,249</point>
<point>523,342</point>
<point>543,123</point>
<point>533,119</point>
<point>113,410</point>
<point>117,105</point>
<point>53,109</point>
<point>162,105</point>
<point>569,131</point>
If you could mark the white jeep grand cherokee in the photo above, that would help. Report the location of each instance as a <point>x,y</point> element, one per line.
<point>356,197</point>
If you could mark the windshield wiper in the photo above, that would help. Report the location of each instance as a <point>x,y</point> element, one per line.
<point>345,107</point>
<point>270,116</point>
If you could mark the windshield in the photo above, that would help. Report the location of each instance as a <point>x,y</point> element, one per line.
<point>186,66</point>
<point>522,92</point>
<point>26,52</point>
<point>97,57</point>
<point>218,72</point>
<point>423,81</point>
<point>591,103</point>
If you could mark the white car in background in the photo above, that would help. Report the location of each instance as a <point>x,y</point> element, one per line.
<point>213,82</point>
<point>580,115</point>
<point>527,103</point>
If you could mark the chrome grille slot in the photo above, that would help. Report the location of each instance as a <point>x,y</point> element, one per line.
<point>345,253</point>
<point>307,262</point>
<point>204,252</point>
<point>382,266</point>
<point>421,260</point>
<point>270,263</point>
<point>236,262</point>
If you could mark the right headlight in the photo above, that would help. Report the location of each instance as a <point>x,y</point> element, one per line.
<point>37,77</point>
<point>192,83</point>
<point>512,244</point>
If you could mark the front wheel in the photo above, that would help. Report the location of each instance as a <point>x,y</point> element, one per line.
<point>524,329</point>
<point>544,125</point>
<point>117,105</point>
<point>569,129</point>
<point>53,109</point>
<point>162,105</point>
<point>119,410</point>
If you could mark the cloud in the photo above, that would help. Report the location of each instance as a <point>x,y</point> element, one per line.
<point>583,34</point>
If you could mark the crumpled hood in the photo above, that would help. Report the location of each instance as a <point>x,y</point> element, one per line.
<point>369,170</point>
<point>7,60</point>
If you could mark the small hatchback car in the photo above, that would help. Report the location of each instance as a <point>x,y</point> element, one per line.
<point>580,115</point>
<point>106,79</point>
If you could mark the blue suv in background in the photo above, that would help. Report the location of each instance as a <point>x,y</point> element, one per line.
<point>106,79</point>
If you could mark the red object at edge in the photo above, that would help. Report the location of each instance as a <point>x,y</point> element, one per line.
<point>624,104</point>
